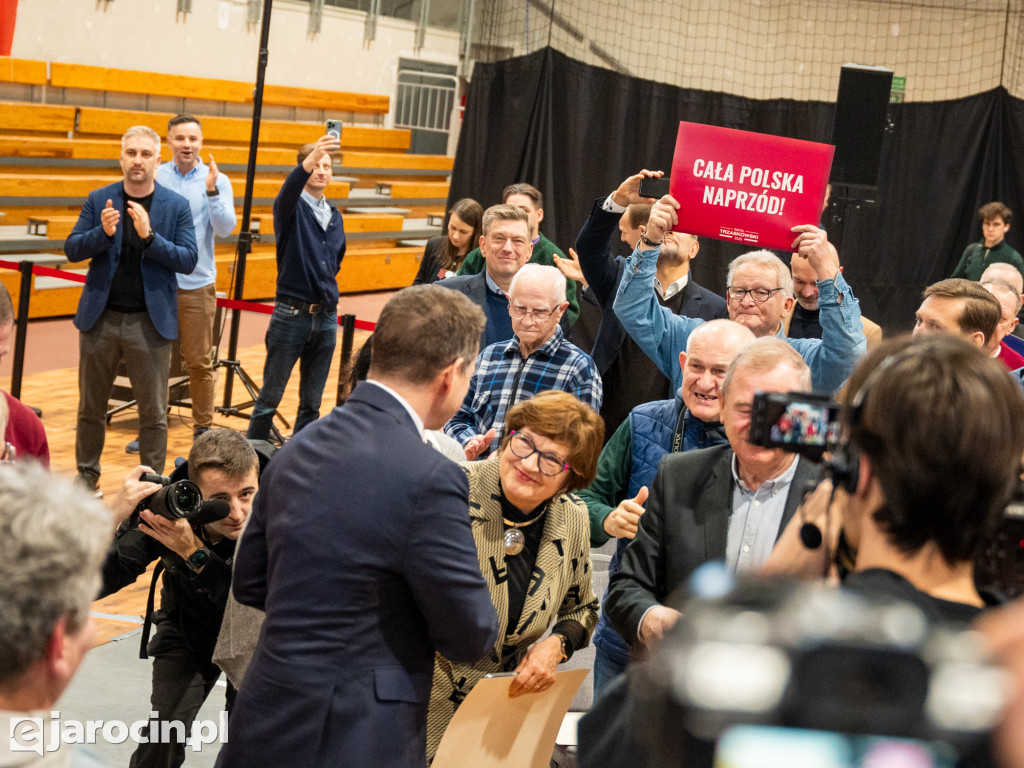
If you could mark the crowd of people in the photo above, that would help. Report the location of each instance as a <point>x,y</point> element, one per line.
<point>438,527</point>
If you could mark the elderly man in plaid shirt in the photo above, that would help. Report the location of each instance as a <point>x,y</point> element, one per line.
<point>535,359</point>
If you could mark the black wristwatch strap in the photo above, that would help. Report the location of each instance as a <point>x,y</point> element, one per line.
<point>198,559</point>
<point>644,239</point>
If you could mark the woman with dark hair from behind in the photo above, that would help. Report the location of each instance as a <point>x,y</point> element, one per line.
<point>443,254</point>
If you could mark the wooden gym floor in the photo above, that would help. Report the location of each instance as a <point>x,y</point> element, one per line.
<point>50,383</point>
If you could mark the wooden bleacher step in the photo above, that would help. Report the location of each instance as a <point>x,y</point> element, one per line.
<point>53,155</point>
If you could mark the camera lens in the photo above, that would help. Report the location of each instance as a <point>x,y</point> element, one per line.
<point>185,498</point>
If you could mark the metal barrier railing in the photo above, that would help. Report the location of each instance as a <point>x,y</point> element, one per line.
<point>424,100</point>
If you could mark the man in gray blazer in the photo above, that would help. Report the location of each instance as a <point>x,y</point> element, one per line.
<point>729,502</point>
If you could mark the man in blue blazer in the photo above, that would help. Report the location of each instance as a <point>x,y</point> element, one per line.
<point>359,549</point>
<point>138,235</point>
<point>630,377</point>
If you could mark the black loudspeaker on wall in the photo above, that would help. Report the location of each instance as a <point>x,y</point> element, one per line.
<point>859,124</point>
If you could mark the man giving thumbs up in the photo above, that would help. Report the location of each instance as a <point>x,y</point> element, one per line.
<point>629,461</point>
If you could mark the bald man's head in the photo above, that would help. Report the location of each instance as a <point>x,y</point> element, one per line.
<point>709,350</point>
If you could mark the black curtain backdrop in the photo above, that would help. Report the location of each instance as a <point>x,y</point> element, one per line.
<point>575,131</point>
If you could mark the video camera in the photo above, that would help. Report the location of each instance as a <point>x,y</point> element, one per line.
<point>799,422</point>
<point>809,424</point>
<point>760,674</point>
<point>180,499</point>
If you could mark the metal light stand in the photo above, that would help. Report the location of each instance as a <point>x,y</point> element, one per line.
<point>245,238</point>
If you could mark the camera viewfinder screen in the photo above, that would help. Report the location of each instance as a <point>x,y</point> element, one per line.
<point>750,746</point>
<point>804,424</point>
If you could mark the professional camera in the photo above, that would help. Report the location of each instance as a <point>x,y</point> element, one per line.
<point>808,424</point>
<point>999,567</point>
<point>761,674</point>
<point>799,422</point>
<point>181,499</point>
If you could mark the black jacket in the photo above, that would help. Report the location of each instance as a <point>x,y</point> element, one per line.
<point>191,604</point>
<point>603,273</point>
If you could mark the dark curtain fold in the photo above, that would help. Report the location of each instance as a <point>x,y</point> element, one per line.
<point>575,131</point>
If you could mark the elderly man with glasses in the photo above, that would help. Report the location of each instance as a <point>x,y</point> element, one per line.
<point>537,358</point>
<point>505,246</point>
<point>759,294</point>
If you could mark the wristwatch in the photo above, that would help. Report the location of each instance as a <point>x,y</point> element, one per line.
<point>198,559</point>
<point>649,242</point>
<point>148,238</point>
<point>212,192</point>
<point>561,639</point>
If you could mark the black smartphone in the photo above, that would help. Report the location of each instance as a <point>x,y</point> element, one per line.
<point>654,186</point>
<point>334,129</point>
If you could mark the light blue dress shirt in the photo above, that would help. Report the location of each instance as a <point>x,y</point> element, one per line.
<point>662,334</point>
<point>210,215</point>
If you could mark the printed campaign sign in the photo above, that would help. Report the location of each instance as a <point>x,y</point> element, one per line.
<point>747,187</point>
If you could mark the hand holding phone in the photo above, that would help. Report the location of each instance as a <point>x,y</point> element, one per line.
<point>654,186</point>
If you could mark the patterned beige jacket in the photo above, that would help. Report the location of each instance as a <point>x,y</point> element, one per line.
<point>560,588</point>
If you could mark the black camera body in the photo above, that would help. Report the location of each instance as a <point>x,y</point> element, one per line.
<point>800,422</point>
<point>175,500</point>
<point>178,500</point>
<point>770,674</point>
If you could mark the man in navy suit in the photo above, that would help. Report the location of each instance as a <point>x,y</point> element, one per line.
<point>630,377</point>
<point>139,236</point>
<point>359,549</point>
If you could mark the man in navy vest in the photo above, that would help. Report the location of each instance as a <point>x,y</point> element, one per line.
<point>629,461</point>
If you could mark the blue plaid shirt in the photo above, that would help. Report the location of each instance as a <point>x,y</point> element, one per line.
<point>503,377</point>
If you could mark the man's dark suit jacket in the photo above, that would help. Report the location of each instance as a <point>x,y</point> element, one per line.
<point>475,288</point>
<point>685,526</point>
<point>360,551</point>
<point>173,250</point>
<point>603,273</point>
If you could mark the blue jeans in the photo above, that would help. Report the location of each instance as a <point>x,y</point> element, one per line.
<point>606,669</point>
<point>294,335</point>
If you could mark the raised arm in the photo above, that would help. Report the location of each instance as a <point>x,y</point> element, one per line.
<point>610,484</point>
<point>842,343</point>
<point>222,204</point>
<point>656,330</point>
<point>638,586</point>
<point>176,251</point>
<point>94,231</point>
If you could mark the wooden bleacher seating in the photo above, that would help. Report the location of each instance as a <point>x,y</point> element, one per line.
<point>53,155</point>
<point>23,71</point>
<point>156,84</point>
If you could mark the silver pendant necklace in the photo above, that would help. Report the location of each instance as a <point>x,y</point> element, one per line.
<point>514,538</point>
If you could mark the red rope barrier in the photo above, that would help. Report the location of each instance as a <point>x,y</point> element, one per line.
<point>245,306</point>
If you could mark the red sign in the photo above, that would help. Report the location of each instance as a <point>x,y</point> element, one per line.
<point>747,187</point>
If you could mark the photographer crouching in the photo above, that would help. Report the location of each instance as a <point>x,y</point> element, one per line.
<point>195,557</point>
